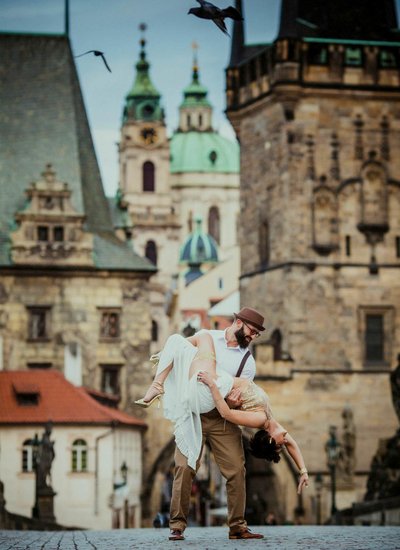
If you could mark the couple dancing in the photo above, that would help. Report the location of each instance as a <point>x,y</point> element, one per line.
<point>208,390</point>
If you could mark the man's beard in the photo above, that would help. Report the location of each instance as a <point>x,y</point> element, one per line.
<point>242,339</point>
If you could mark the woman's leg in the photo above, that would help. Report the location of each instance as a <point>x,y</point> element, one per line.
<point>157,386</point>
<point>205,357</point>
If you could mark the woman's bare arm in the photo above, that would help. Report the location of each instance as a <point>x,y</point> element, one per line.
<point>249,419</point>
<point>295,453</point>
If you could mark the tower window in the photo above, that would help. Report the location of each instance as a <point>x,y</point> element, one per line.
<point>188,120</point>
<point>374,338</point>
<point>348,245</point>
<point>214,224</point>
<point>110,324</point>
<point>43,233</point>
<point>154,331</point>
<point>397,247</point>
<point>79,456</point>
<point>151,252</point>
<point>148,177</point>
<point>110,379</point>
<point>353,57</point>
<point>200,120</point>
<point>264,244</point>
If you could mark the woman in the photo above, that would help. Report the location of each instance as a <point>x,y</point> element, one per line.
<point>194,385</point>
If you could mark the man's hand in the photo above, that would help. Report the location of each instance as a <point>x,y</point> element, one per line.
<point>234,398</point>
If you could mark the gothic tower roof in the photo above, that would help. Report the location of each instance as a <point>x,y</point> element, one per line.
<point>43,120</point>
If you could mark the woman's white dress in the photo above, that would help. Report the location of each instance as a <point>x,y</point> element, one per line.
<point>185,399</point>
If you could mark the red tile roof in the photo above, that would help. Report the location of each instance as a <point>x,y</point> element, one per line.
<point>59,401</point>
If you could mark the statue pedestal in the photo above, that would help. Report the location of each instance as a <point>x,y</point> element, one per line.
<point>44,506</point>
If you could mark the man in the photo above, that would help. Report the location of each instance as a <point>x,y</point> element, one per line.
<point>224,438</point>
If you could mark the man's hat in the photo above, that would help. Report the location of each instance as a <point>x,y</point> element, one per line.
<point>251,316</point>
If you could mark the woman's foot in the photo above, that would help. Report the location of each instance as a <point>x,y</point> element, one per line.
<point>154,392</point>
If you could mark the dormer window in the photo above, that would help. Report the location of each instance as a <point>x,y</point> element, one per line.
<point>43,233</point>
<point>26,394</point>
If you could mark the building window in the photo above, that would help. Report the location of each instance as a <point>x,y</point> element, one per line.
<point>348,245</point>
<point>353,57</point>
<point>154,331</point>
<point>79,456</point>
<point>148,177</point>
<point>27,456</point>
<point>263,244</point>
<point>110,379</point>
<point>374,338</point>
<point>58,233</point>
<point>40,365</point>
<point>388,59</point>
<point>200,120</point>
<point>214,227</point>
<point>110,324</point>
<point>317,54</point>
<point>151,252</point>
<point>188,121</point>
<point>38,324</point>
<point>377,335</point>
<point>397,247</point>
<point>43,233</point>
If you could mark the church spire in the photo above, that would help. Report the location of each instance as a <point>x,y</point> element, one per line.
<point>143,100</point>
<point>195,110</point>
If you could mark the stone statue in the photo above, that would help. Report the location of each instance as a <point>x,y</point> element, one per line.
<point>44,457</point>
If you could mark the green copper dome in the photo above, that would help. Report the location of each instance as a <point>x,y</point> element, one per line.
<point>203,152</point>
<point>143,100</point>
<point>199,247</point>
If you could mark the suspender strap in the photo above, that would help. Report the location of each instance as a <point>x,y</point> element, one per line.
<point>242,364</point>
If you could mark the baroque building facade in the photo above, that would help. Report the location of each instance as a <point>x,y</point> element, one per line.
<point>317,115</point>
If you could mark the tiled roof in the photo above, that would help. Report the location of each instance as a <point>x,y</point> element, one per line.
<point>43,120</point>
<point>59,401</point>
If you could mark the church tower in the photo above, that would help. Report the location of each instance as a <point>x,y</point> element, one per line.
<point>144,171</point>
<point>317,114</point>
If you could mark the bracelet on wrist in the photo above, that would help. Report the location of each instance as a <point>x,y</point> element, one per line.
<point>303,471</point>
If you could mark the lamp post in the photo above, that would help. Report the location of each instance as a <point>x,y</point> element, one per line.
<point>332,449</point>
<point>124,472</point>
<point>318,490</point>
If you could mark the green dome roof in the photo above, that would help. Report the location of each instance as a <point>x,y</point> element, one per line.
<point>199,247</point>
<point>203,152</point>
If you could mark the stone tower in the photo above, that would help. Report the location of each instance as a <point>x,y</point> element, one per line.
<point>317,113</point>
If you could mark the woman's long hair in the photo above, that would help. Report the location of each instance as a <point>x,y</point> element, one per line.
<point>262,445</point>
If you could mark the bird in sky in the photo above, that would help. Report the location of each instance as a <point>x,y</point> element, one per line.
<point>97,53</point>
<point>209,11</point>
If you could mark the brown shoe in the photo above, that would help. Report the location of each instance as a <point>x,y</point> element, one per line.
<point>246,534</point>
<point>176,534</point>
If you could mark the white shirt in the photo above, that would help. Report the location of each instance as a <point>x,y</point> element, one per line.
<point>229,357</point>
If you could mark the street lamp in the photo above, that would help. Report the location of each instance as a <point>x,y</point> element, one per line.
<point>318,490</point>
<point>332,449</point>
<point>124,472</point>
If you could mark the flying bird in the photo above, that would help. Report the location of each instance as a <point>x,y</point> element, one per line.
<point>209,11</point>
<point>97,54</point>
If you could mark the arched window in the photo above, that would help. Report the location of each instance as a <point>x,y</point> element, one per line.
<point>200,120</point>
<point>151,252</point>
<point>263,243</point>
<point>79,456</point>
<point>154,331</point>
<point>149,177</point>
<point>214,223</point>
<point>27,456</point>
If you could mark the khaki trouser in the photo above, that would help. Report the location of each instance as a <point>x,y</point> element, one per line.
<point>226,444</point>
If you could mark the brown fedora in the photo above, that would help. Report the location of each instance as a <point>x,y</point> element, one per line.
<point>251,316</point>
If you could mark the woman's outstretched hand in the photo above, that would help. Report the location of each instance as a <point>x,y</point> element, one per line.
<point>205,378</point>
<point>303,482</point>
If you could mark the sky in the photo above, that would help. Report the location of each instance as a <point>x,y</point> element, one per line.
<point>112,27</point>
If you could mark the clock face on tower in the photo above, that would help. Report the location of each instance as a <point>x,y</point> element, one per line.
<point>148,135</point>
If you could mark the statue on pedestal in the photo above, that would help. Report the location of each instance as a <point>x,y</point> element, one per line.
<point>43,456</point>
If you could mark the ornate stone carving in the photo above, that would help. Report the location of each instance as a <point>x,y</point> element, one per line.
<point>324,218</point>
<point>50,229</point>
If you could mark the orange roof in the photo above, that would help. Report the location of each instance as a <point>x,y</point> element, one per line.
<point>58,401</point>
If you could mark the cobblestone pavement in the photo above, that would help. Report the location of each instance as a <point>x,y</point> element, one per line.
<point>213,538</point>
